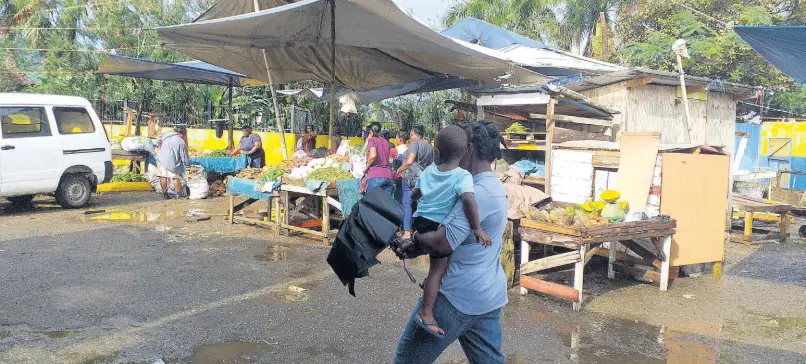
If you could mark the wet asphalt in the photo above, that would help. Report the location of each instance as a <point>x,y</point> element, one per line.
<point>167,288</point>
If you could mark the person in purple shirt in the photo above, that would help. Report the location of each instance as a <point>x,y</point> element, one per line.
<point>378,172</point>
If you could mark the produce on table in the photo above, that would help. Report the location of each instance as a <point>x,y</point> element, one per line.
<point>612,210</point>
<point>567,216</point>
<point>516,127</point>
<point>128,177</point>
<point>195,153</point>
<point>217,153</point>
<point>249,173</point>
<point>304,171</point>
<point>339,158</point>
<point>267,173</point>
<point>271,173</point>
<point>330,174</point>
<point>287,165</point>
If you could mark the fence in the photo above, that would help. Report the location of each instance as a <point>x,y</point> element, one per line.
<point>294,117</point>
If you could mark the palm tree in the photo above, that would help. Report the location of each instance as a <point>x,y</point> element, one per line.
<point>566,24</point>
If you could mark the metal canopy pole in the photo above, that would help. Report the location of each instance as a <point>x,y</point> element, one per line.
<point>277,115</point>
<point>230,122</point>
<point>332,72</point>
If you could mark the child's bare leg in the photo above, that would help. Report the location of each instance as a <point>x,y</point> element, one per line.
<point>436,270</point>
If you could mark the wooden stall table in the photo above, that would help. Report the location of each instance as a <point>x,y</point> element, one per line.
<point>583,243</point>
<point>135,157</point>
<point>242,188</point>
<point>757,209</point>
<point>319,215</point>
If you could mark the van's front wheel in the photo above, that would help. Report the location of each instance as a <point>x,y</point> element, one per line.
<point>74,191</point>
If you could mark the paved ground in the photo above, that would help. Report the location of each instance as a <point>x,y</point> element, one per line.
<point>150,285</point>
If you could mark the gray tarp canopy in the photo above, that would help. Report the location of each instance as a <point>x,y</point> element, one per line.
<point>376,45</point>
<point>370,95</point>
<point>193,71</point>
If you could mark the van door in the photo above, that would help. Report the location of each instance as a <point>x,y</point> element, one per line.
<point>83,143</point>
<point>30,153</point>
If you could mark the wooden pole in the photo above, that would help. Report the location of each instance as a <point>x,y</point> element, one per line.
<point>277,115</point>
<point>332,72</point>
<point>549,137</point>
<point>140,108</point>
<point>685,96</point>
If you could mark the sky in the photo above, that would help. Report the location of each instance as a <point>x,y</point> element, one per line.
<point>427,11</point>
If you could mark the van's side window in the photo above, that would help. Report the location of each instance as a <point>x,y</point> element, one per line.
<point>23,122</point>
<point>73,120</point>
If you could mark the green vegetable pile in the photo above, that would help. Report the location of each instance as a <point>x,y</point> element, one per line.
<point>128,177</point>
<point>516,127</point>
<point>330,174</point>
<point>270,173</point>
<point>217,153</point>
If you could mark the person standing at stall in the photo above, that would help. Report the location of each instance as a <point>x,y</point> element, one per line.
<point>252,147</point>
<point>378,173</point>
<point>172,158</point>
<point>418,156</point>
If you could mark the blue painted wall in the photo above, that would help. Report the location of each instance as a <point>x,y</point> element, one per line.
<point>751,160</point>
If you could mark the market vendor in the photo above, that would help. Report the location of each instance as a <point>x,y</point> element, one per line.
<point>172,158</point>
<point>252,147</point>
<point>377,172</point>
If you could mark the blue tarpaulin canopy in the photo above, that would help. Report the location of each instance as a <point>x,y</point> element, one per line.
<point>526,52</point>
<point>784,47</point>
<point>193,71</point>
<point>476,31</point>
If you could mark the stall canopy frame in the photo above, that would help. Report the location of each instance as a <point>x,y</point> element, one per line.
<point>192,72</point>
<point>378,45</point>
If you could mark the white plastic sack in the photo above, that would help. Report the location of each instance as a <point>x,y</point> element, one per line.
<point>137,144</point>
<point>359,163</point>
<point>199,188</point>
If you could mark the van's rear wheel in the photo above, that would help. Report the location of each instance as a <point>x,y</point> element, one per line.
<point>74,191</point>
<point>21,200</point>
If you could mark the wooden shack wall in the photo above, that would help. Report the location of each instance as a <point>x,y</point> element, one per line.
<point>653,108</point>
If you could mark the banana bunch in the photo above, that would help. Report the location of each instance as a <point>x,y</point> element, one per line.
<point>516,127</point>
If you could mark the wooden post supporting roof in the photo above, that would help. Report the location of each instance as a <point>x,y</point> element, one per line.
<point>549,137</point>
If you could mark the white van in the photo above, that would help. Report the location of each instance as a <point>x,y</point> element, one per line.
<point>51,145</point>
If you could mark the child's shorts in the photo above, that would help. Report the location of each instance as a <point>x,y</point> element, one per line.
<point>422,225</point>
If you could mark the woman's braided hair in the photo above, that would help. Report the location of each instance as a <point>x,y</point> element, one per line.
<point>484,136</point>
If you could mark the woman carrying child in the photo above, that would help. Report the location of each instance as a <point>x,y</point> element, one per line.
<point>473,289</point>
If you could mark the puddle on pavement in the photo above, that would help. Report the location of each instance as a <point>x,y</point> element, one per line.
<point>766,326</point>
<point>274,253</point>
<point>142,215</point>
<point>234,352</point>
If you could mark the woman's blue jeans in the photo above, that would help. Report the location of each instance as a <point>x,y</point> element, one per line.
<point>406,201</point>
<point>385,184</point>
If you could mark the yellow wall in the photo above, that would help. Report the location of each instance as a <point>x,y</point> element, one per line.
<point>795,131</point>
<point>204,139</point>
